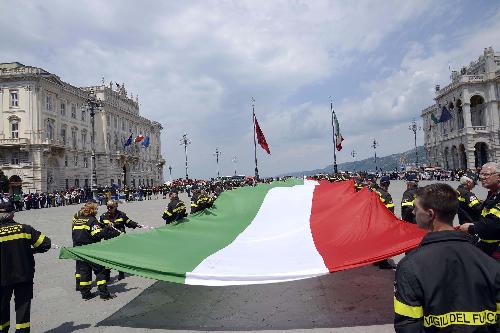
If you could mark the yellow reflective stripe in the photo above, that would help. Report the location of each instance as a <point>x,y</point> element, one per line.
<point>407,203</point>
<point>85,283</point>
<point>106,221</point>
<point>80,227</point>
<point>389,205</point>
<point>461,318</point>
<point>95,232</point>
<point>498,307</point>
<point>408,310</point>
<point>101,282</point>
<point>119,220</point>
<point>461,199</point>
<point>179,208</point>
<point>39,241</point>
<point>78,276</point>
<point>14,237</point>
<point>22,325</point>
<point>495,212</point>
<point>194,205</point>
<point>490,240</point>
<point>473,203</point>
<point>5,325</point>
<point>167,212</point>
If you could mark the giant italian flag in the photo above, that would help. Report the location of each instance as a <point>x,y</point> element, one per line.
<point>274,232</point>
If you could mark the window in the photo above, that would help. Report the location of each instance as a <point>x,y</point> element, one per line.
<point>63,109</point>
<point>14,99</point>
<point>75,160</point>
<point>123,125</point>
<point>85,163</point>
<point>84,139</point>
<point>112,181</point>
<point>48,103</point>
<point>73,138</point>
<point>63,135</point>
<point>14,158</point>
<point>67,183</point>
<point>73,111</point>
<point>14,130</point>
<point>77,182</point>
<point>49,129</point>
<point>84,116</point>
<point>86,182</point>
<point>66,160</point>
<point>108,120</point>
<point>115,122</point>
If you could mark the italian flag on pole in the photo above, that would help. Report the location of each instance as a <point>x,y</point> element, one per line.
<point>274,232</point>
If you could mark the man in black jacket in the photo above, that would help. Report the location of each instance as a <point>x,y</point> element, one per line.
<point>176,209</point>
<point>118,220</point>
<point>18,243</point>
<point>446,284</point>
<point>487,228</point>
<point>407,202</point>
<point>469,206</point>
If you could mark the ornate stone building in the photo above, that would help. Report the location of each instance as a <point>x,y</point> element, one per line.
<point>45,134</point>
<point>472,136</point>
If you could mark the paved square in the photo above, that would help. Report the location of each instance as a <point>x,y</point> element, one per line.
<point>356,300</point>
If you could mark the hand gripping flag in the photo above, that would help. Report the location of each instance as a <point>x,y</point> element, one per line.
<point>338,136</point>
<point>139,138</point>
<point>128,142</point>
<point>261,139</point>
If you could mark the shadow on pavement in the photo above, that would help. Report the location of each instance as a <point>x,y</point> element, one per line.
<point>68,327</point>
<point>356,297</point>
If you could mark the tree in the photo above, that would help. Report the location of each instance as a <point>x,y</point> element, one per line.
<point>4,183</point>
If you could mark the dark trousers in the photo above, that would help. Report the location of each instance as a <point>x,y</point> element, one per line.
<point>77,276</point>
<point>23,293</point>
<point>85,269</point>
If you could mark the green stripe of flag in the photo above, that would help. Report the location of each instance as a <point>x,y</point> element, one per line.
<point>167,253</point>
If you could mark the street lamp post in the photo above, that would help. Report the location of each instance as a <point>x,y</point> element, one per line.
<point>353,154</point>
<point>235,161</point>
<point>170,171</point>
<point>93,105</point>
<point>185,142</point>
<point>217,154</point>
<point>375,144</point>
<point>414,128</point>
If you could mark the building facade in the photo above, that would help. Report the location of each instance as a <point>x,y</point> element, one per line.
<point>46,133</point>
<point>472,136</point>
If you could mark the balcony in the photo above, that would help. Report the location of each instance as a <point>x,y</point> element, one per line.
<point>481,129</point>
<point>14,142</point>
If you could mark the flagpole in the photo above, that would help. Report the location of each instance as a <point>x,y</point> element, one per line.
<point>333,139</point>
<point>255,141</point>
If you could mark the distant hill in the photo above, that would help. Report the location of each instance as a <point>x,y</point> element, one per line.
<point>385,163</point>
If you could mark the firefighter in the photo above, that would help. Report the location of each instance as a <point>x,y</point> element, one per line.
<point>18,243</point>
<point>119,220</point>
<point>469,206</point>
<point>87,230</point>
<point>386,199</point>
<point>446,283</point>
<point>176,210</point>
<point>383,193</point>
<point>409,198</point>
<point>487,228</point>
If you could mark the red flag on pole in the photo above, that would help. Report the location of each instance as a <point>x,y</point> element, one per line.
<point>261,139</point>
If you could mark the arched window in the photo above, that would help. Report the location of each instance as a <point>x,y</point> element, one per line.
<point>460,115</point>
<point>477,111</point>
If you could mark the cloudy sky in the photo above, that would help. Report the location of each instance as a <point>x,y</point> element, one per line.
<point>196,65</point>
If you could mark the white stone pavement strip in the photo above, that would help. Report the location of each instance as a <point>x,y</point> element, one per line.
<point>358,300</point>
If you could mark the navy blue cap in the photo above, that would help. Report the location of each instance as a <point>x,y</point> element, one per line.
<point>411,177</point>
<point>385,180</point>
<point>6,206</point>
